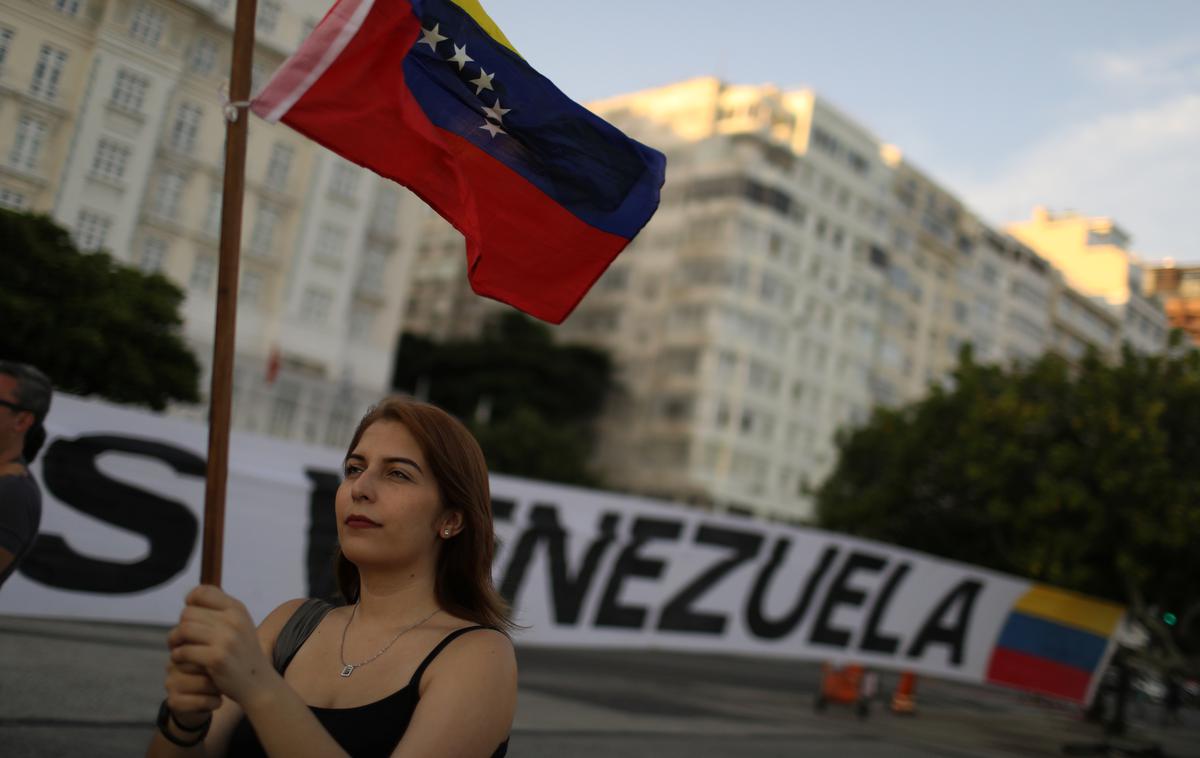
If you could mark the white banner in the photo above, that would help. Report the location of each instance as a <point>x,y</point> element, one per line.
<point>120,533</point>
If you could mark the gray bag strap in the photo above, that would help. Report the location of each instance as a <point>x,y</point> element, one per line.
<point>296,630</point>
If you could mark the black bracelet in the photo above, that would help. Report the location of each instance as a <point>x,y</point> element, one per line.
<point>189,729</point>
<point>164,713</point>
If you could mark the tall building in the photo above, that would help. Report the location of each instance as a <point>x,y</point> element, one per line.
<point>798,273</point>
<point>1179,289</point>
<point>1093,254</point>
<point>111,121</point>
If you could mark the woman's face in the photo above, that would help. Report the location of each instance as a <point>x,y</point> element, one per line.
<point>388,507</point>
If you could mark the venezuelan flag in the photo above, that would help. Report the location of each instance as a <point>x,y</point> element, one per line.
<point>1053,642</point>
<point>431,94</point>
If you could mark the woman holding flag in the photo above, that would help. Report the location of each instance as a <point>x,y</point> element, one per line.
<point>417,663</point>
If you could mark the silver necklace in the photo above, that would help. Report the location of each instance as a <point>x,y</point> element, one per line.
<point>348,668</point>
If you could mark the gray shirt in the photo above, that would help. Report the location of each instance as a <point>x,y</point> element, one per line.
<point>20,515</point>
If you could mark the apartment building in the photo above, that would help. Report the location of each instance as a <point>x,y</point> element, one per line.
<point>1093,254</point>
<point>798,273</point>
<point>1179,289</point>
<point>112,121</point>
<point>952,281</point>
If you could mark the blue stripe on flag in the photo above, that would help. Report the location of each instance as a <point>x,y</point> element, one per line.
<point>584,163</point>
<point>1046,639</point>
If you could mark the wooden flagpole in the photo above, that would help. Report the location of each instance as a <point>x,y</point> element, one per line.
<point>221,386</point>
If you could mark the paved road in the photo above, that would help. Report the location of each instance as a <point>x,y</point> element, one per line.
<point>91,689</point>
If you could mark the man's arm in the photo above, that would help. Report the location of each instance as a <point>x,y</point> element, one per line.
<point>16,527</point>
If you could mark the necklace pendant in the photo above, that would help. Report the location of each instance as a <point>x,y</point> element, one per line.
<point>348,670</point>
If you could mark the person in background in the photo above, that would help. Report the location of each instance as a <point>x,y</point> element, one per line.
<point>24,402</point>
<point>417,663</point>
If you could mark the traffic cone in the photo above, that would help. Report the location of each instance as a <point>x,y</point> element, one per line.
<point>904,700</point>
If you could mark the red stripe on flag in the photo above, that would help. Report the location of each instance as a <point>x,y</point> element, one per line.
<point>1029,672</point>
<point>523,247</point>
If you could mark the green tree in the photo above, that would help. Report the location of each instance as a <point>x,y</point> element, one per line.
<point>1086,476</point>
<point>531,403</point>
<point>96,327</point>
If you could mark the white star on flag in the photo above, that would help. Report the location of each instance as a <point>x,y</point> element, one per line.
<point>431,37</point>
<point>492,129</point>
<point>460,56</point>
<point>496,113</point>
<point>483,82</point>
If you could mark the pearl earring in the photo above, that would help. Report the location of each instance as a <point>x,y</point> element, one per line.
<point>446,532</point>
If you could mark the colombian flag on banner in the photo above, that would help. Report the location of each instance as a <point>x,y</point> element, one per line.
<point>431,94</point>
<point>1054,642</point>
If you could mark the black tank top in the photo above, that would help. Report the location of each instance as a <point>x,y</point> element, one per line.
<point>368,730</point>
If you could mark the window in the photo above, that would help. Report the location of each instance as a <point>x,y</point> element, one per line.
<point>204,271</point>
<point>267,16</point>
<point>110,161</point>
<point>204,56</point>
<point>185,127</point>
<point>212,217</point>
<point>91,230</point>
<point>383,212</point>
<point>344,180</point>
<point>989,274</point>
<point>675,407</point>
<point>27,143</point>
<point>283,410</point>
<point>331,240</point>
<point>48,72</point>
<point>279,165</point>
<point>147,24</point>
<point>1028,293</point>
<point>314,308</point>
<point>6,36</point>
<point>679,361</point>
<point>250,293</point>
<point>825,140</point>
<point>1025,326</point>
<point>12,200</point>
<point>67,7</point>
<point>154,252</point>
<point>362,321</point>
<point>129,91</point>
<point>170,190</point>
<point>264,229</point>
<point>374,268</point>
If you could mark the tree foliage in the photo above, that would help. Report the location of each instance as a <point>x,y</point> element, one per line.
<point>93,325</point>
<point>1086,476</point>
<point>530,402</point>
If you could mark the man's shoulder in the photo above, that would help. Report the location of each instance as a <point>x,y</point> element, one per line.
<point>19,488</point>
<point>13,469</point>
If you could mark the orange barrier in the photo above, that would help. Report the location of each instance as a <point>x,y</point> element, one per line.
<point>850,685</point>
<point>904,700</point>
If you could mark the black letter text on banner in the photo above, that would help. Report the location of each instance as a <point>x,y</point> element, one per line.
<point>567,592</point>
<point>71,475</point>
<point>629,563</point>
<point>677,614</point>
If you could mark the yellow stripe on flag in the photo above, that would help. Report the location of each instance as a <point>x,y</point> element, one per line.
<point>1092,615</point>
<point>476,11</point>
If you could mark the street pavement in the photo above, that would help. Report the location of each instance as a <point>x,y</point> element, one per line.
<point>70,688</point>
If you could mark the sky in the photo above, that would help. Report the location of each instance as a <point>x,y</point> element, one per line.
<point>1084,105</point>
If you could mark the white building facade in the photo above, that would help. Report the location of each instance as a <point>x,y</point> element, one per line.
<point>115,123</point>
<point>798,273</point>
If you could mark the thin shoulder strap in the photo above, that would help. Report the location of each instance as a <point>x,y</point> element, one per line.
<point>296,630</point>
<point>451,637</point>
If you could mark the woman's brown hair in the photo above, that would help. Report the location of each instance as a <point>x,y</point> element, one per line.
<point>463,583</point>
